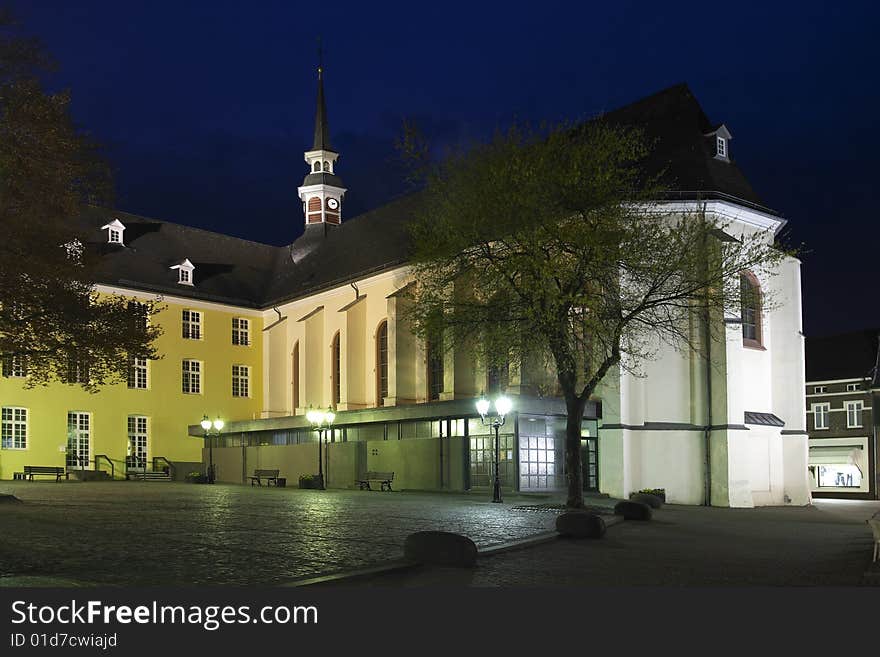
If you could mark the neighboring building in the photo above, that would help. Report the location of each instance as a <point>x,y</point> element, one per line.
<point>842,390</point>
<point>323,318</point>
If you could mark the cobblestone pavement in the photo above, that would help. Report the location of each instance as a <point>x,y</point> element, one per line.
<point>828,544</point>
<point>139,533</point>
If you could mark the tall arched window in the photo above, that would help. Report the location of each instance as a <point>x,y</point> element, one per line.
<point>382,363</point>
<point>294,377</point>
<point>434,353</point>
<point>336,360</point>
<point>750,304</point>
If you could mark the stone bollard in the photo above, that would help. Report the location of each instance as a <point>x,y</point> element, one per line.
<point>645,498</point>
<point>633,510</point>
<point>441,548</point>
<point>580,524</point>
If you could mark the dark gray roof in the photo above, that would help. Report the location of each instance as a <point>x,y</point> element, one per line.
<point>676,128</point>
<point>371,242</point>
<point>844,356</point>
<point>323,178</point>
<point>227,269</point>
<point>246,273</point>
<point>764,419</point>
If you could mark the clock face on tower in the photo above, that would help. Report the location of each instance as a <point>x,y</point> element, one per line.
<point>332,203</point>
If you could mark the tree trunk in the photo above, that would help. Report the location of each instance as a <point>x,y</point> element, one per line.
<point>573,467</point>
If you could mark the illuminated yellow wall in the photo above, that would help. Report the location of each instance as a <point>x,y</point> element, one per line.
<point>169,410</point>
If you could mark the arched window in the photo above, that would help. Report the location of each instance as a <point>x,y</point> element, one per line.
<point>336,360</point>
<point>497,378</point>
<point>294,380</point>
<point>750,304</point>
<point>326,166</point>
<point>434,352</point>
<point>317,167</point>
<point>382,363</point>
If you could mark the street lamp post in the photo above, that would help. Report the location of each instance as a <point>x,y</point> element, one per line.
<point>320,421</point>
<point>503,406</point>
<point>218,426</point>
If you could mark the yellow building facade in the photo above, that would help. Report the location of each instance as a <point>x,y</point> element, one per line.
<point>147,417</point>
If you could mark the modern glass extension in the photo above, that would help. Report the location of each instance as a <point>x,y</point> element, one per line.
<point>462,455</point>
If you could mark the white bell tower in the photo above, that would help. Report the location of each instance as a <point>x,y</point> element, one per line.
<point>322,190</point>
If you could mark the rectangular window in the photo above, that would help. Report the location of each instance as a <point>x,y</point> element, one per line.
<point>192,377</point>
<point>137,373</point>
<point>854,414</point>
<point>138,315</point>
<point>818,390</point>
<point>241,381</point>
<point>15,366</point>
<point>852,387</point>
<point>137,441</point>
<point>722,147</point>
<point>79,440</point>
<point>820,415</point>
<point>77,369</point>
<point>241,331</point>
<point>192,325</point>
<point>13,428</point>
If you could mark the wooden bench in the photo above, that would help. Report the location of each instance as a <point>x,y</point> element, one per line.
<point>51,470</point>
<point>385,477</point>
<point>271,477</point>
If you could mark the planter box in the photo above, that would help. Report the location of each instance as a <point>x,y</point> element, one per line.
<point>315,481</point>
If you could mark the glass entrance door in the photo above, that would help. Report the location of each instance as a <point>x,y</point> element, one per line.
<point>482,461</point>
<point>137,444</point>
<point>78,440</point>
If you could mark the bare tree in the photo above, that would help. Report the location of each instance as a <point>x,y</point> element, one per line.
<point>556,248</point>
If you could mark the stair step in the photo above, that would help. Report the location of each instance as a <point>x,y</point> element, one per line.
<point>149,476</point>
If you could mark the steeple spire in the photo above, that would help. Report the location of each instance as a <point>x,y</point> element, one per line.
<point>322,190</point>
<point>322,129</point>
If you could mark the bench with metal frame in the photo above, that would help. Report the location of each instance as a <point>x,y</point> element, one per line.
<point>49,470</point>
<point>271,477</point>
<point>384,477</point>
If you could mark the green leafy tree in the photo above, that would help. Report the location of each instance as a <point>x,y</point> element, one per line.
<point>53,325</point>
<point>551,249</point>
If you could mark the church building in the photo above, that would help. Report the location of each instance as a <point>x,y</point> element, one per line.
<point>258,335</point>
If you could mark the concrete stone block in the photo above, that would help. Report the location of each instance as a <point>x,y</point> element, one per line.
<point>580,524</point>
<point>441,548</point>
<point>633,510</point>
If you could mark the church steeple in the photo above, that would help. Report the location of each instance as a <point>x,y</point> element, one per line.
<point>322,190</point>
<point>322,129</point>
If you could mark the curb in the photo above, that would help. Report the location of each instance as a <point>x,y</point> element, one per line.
<point>400,565</point>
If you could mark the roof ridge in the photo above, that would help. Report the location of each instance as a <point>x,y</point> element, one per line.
<point>185,226</point>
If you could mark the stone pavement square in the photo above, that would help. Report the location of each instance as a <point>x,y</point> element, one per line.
<point>150,533</point>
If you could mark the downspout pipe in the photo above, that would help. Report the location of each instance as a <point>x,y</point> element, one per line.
<point>707,431</point>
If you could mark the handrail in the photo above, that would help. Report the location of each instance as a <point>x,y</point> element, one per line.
<point>109,460</point>
<point>167,462</point>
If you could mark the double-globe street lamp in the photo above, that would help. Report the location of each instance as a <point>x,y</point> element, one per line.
<point>320,421</point>
<point>503,406</point>
<point>218,427</point>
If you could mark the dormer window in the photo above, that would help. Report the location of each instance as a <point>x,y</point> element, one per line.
<point>114,232</point>
<point>720,141</point>
<point>184,272</point>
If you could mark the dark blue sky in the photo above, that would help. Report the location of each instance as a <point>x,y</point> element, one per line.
<point>206,107</point>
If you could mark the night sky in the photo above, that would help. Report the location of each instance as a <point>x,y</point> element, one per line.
<point>206,108</point>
